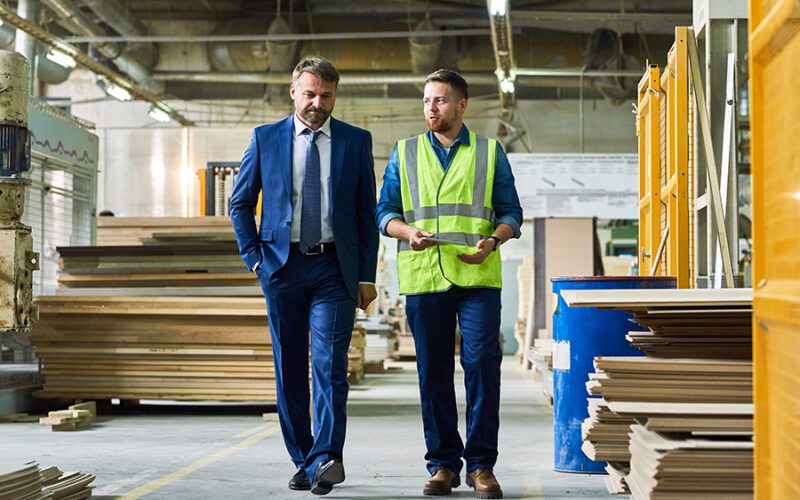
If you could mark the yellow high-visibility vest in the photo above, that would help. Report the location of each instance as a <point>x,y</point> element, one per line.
<point>455,205</point>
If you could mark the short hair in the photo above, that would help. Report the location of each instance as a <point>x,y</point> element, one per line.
<point>318,66</point>
<point>451,78</point>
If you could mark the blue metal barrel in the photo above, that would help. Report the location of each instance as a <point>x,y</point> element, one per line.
<point>580,334</point>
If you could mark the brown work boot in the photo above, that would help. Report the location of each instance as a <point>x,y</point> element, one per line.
<point>484,483</point>
<point>442,482</point>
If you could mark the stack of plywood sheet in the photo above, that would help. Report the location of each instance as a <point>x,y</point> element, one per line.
<point>181,348</point>
<point>66,486</point>
<point>139,230</point>
<point>696,323</point>
<point>406,350</point>
<point>605,434</point>
<point>355,355</point>
<point>674,466</point>
<point>690,410</point>
<point>26,481</point>
<point>21,480</point>
<point>624,378</point>
<point>134,266</point>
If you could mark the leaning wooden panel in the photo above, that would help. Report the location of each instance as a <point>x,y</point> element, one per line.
<point>775,157</point>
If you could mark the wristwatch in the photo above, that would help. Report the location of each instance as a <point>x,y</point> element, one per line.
<point>496,242</point>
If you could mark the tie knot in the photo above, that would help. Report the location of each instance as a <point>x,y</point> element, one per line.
<point>313,134</point>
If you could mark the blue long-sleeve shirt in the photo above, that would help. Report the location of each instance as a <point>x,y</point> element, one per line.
<point>504,195</point>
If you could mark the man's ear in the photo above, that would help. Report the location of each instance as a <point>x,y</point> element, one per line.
<point>462,104</point>
<point>291,90</point>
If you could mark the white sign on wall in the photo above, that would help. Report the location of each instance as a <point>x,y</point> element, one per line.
<point>577,185</point>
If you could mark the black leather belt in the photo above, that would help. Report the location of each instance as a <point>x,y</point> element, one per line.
<point>317,250</point>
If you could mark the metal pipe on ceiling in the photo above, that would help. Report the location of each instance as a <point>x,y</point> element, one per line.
<point>114,14</point>
<point>78,22</point>
<point>276,37</point>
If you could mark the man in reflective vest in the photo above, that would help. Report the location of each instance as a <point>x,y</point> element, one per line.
<point>448,197</point>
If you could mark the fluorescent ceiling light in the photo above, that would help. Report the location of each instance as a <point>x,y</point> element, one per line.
<point>498,7</point>
<point>507,86</point>
<point>159,115</point>
<point>61,58</point>
<point>118,92</point>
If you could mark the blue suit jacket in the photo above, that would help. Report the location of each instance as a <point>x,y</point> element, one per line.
<point>267,168</point>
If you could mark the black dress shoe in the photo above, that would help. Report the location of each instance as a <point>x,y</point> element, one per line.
<point>329,472</point>
<point>299,481</point>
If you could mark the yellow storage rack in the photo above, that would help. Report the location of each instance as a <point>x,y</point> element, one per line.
<point>663,127</point>
<point>775,157</point>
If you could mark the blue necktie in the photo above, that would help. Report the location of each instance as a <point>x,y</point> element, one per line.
<point>311,217</point>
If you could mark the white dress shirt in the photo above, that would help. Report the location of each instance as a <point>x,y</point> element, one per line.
<point>301,141</point>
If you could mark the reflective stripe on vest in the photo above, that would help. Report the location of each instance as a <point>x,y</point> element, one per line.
<point>456,206</point>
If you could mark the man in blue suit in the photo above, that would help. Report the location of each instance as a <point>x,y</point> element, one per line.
<point>315,255</point>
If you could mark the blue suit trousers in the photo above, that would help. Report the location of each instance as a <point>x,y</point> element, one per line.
<point>432,318</point>
<point>309,293</point>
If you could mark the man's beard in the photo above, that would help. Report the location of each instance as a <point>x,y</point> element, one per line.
<point>317,118</point>
<point>441,125</point>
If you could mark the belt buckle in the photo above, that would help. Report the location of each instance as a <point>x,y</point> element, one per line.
<point>321,249</point>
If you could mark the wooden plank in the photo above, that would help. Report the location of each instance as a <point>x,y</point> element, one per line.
<point>631,299</point>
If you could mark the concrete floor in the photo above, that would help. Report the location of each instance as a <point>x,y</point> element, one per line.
<point>184,452</point>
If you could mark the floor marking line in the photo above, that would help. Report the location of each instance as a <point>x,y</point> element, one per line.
<point>199,464</point>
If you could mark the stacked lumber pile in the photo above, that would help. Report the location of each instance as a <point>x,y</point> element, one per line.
<point>356,355</point>
<point>406,350</point>
<point>524,285</point>
<point>177,348</point>
<point>673,466</point>
<point>77,416</point>
<point>139,230</point>
<point>541,357</point>
<point>26,481</point>
<point>198,265</point>
<point>605,434</point>
<point>692,436</point>
<point>66,486</point>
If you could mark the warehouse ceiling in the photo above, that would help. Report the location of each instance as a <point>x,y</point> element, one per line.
<point>245,49</point>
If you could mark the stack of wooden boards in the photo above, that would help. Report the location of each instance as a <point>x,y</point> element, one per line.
<point>192,254</point>
<point>356,355</point>
<point>688,420</point>
<point>77,416</point>
<point>181,348</point>
<point>26,481</point>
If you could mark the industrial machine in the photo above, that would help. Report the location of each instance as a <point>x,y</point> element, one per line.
<point>18,261</point>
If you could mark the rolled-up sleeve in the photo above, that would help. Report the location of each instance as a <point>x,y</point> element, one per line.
<point>390,206</point>
<point>504,194</point>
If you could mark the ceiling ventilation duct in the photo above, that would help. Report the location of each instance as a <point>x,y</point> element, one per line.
<point>606,53</point>
<point>74,20</point>
<point>113,13</point>
<point>239,56</point>
<point>282,59</point>
<point>425,50</point>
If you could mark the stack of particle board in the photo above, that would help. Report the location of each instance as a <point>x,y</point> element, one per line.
<point>199,265</point>
<point>623,378</point>
<point>406,350</point>
<point>676,466</point>
<point>524,285</point>
<point>355,355</point>
<point>139,230</point>
<point>26,481</point>
<point>21,480</point>
<point>695,323</point>
<point>541,357</point>
<point>177,348</point>
<point>688,408</point>
<point>66,485</point>
<point>605,434</point>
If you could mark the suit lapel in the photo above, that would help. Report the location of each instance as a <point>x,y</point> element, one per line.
<point>337,159</point>
<point>286,146</point>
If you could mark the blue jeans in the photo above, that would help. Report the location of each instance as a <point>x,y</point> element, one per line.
<point>433,319</point>
<point>309,292</point>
